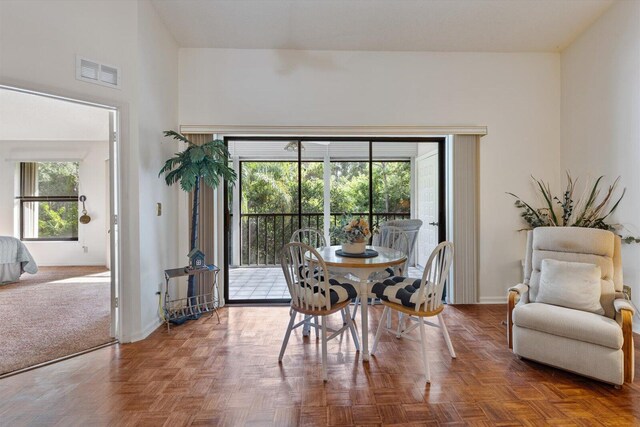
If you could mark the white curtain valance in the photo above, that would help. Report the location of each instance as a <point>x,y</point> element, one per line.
<point>328,131</point>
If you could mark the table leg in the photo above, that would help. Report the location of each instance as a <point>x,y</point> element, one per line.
<point>364,313</point>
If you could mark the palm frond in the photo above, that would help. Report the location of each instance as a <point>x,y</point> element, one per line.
<point>176,135</point>
<point>196,154</point>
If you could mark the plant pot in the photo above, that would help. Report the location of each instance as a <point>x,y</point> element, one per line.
<point>354,248</point>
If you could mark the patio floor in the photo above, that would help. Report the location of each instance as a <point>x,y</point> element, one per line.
<point>261,283</point>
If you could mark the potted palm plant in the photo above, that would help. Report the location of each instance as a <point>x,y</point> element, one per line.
<point>208,162</point>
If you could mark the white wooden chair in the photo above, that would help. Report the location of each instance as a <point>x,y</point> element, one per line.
<point>418,299</point>
<point>315,294</point>
<point>314,238</point>
<point>393,237</point>
<point>309,236</point>
<point>412,228</point>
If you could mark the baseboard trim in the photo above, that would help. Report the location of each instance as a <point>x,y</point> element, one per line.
<point>148,330</point>
<point>493,300</point>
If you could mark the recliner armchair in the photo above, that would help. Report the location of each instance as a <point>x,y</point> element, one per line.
<point>589,344</point>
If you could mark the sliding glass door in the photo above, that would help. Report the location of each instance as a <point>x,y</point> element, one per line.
<point>287,184</point>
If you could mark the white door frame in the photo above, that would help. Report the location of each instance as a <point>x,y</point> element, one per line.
<point>114,152</point>
<point>418,160</point>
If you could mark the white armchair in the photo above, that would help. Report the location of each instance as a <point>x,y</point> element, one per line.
<point>589,344</point>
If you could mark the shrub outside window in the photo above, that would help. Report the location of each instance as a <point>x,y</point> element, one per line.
<point>48,201</point>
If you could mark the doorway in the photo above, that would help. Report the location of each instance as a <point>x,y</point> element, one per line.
<point>59,184</point>
<point>290,183</point>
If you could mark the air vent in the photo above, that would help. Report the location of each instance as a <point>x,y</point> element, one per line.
<point>91,71</point>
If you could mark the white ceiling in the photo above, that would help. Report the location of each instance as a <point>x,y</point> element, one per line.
<point>381,25</point>
<point>27,117</point>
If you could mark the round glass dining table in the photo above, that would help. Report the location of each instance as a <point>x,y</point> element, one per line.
<point>362,268</point>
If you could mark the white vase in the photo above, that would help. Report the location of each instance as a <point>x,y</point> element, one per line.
<point>354,248</point>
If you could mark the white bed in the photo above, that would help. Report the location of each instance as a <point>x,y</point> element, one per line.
<point>15,259</point>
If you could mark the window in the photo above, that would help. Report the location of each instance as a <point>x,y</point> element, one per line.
<point>49,200</point>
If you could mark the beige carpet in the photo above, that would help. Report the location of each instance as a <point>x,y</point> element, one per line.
<point>54,313</point>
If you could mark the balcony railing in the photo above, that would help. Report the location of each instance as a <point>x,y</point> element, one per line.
<point>263,235</point>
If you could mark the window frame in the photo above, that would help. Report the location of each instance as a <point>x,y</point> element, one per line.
<point>31,199</point>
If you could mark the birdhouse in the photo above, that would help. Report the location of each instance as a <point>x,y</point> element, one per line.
<point>196,258</point>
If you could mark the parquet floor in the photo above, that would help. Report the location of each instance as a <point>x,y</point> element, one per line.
<point>203,373</point>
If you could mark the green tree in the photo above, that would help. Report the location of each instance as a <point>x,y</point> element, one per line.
<point>207,162</point>
<point>391,186</point>
<point>57,219</point>
<point>272,187</point>
<point>58,178</point>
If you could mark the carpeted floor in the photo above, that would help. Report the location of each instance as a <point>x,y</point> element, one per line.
<point>54,313</point>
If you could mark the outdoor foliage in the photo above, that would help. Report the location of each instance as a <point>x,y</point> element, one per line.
<point>272,188</point>
<point>57,219</point>
<point>58,178</point>
<point>589,210</point>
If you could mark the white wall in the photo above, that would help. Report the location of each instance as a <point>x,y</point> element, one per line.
<point>601,115</point>
<point>38,43</point>
<point>516,95</point>
<point>158,77</point>
<point>92,183</point>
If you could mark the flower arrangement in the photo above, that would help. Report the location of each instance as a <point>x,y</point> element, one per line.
<point>588,210</point>
<point>356,230</point>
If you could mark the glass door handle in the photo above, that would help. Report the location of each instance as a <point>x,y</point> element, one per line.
<point>435,224</point>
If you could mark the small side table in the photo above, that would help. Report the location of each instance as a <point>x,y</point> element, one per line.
<point>205,298</point>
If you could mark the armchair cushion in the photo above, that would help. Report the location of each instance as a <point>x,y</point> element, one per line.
<point>568,323</point>
<point>570,284</point>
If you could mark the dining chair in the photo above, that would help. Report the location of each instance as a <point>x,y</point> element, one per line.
<point>412,228</point>
<point>392,237</point>
<point>314,293</point>
<point>418,299</point>
<point>309,236</point>
<point>314,238</point>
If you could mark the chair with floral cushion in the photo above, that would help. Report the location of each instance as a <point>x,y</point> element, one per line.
<point>314,293</point>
